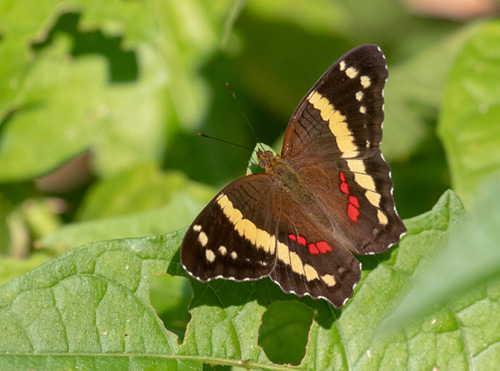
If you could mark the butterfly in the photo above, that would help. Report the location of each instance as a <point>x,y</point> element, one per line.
<point>328,195</point>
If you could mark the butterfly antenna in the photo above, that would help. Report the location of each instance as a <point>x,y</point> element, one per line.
<point>243,112</point>
<point>225,141</point>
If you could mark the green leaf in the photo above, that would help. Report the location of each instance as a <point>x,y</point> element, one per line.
<point>178,213</point>
<point>469,118</point>
<point>469,264</point>
<point>139,189</point>
<point>88,308</point>
<point>91,305</point>
<point>121,97</point>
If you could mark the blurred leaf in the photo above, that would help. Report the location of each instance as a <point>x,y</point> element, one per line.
<point>6,207</point>
<point>40,216</point>
<point>140,188</point>
<point>11,268</point>
<point>469,119</point>
<point>78,95</point>
<point>414,90</point>
<point>19,235</point>
<point>73,123</point>
<point>178,213</point>
<point>469,264</point>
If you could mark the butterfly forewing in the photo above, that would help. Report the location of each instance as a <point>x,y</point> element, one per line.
<point>331,192</point>
<point>349,98</point>
<point>333,140</point>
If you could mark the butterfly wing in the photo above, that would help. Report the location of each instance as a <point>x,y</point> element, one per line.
<point>333,141</point>
<point>309,261</point>
<point>255,228</point>
<point>224,241</point>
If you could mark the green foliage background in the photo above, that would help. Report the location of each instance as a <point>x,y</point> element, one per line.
<point>100,104</point>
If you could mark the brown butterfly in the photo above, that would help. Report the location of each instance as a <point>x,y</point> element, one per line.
<point>329,194</point>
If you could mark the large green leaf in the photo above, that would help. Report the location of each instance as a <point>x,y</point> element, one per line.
<point>178,213</point>
<point>90,308</point>
<point>91,301</point>
<point>138,189</point>
<point>469,125</point>
<point>470,263</point>
<point>117,80</point>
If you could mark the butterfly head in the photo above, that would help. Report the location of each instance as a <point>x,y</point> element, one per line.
<point>265,159</point>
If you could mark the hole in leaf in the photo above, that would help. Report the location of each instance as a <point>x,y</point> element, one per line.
<point>122,63</point>
<point>170,296</point>
<point>284,331</point>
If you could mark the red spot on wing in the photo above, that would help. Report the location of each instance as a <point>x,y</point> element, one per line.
<point>323,247</point>
<point>313,249</point>
<point>352,212</point>
<point>301,240</point>
<point>320,247</point>
<point>353,200</point>
<point>344,188</point>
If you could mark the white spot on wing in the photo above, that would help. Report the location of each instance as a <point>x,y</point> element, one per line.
<point>365,81</point>
<point>203,239</point>
<point>209,254</point>
<point>351,72</point>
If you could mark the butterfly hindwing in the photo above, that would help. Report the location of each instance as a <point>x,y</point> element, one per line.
<point>224,242</point>
<point>309,261</point>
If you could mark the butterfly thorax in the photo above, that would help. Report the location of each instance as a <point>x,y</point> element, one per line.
<point>280,169</point>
